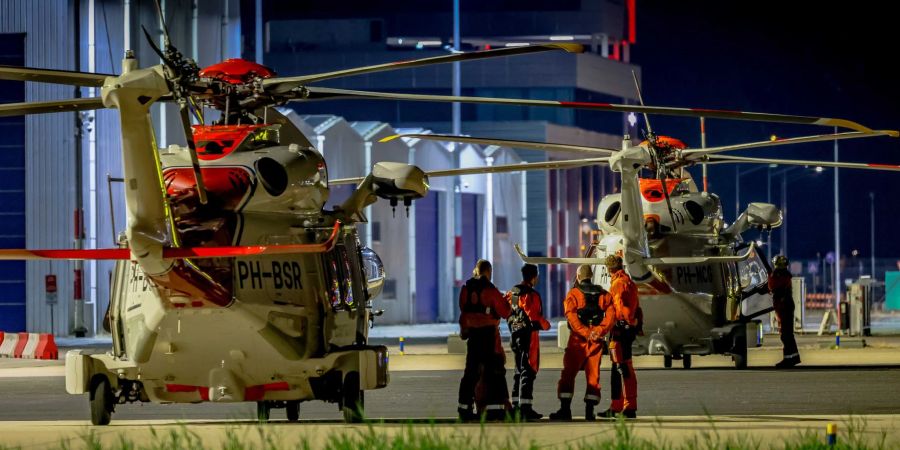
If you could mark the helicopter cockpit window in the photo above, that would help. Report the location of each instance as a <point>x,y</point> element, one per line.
<point>346,279</point>
<point>752,272</point>
<point>332,281</point>
<point>320,177</point>
<point>263,137</point>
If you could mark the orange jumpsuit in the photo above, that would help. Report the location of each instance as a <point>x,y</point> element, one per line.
<point>625,305</point>
<point>481,308</point>
<point>583,352</point>
<point>525,342</point>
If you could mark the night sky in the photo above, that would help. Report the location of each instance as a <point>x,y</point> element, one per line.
<point>804,58</point>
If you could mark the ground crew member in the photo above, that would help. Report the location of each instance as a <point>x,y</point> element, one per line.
<point>481,308</point>
<point>783,301</point>
<point>584,308</point>
<point>526,320</point>
<point>626,326</point>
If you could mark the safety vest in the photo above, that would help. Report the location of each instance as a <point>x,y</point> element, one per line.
<point>591,314</point>
<point>474,287</point>
<point>518,320</point>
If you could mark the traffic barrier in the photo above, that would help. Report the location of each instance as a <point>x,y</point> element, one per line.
<point>31,345</point>
<point>20,346</point>
<point>8,347</point>
<point>46,348</point>
<point>28,346</point>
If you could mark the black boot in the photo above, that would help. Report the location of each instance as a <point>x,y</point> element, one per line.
<point>589,412</point>
<point>630,413</point>
<point>565,410</point>
<point>467,415</point>
<point>608,414</point>
<point>788,362</point>
<point>528,414</point>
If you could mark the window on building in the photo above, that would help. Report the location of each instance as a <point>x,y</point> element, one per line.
<point>502,225</point>
<point>376,232</point>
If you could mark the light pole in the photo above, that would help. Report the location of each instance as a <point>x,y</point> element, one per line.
<point>872,231</point>
<point>737,190</point>
<point>837,232</point>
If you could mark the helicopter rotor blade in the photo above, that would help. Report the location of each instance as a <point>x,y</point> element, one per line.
<point>174,253</point>
<point>284,84</point>
<point>503,168</point>
<point>67,77</point>
<point>320,93</point>
<point>531,145</point>
<point>697,153</point>
<point>716,159</point>
<point>52,106</point>
<point>184,112</point>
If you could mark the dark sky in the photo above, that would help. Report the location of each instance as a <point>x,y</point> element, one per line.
<point>808,58</point>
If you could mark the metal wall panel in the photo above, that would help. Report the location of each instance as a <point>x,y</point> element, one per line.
<point>49,156</point>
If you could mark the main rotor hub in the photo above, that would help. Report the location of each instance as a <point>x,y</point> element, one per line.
<point>236,71</point>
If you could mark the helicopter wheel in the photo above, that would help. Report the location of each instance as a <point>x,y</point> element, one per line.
<point>292,408</point>
<point>101,402</point>
<point>667,361</point>
<point>263,410</point>
<point>739,354</point>
<point>353,401</point>
<point>686,361</point>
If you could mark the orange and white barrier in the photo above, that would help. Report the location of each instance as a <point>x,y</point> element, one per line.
<point>8,347</point>
<point>28,346</point>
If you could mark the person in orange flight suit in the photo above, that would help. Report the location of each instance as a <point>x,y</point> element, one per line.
<point>526,320</point>
<point>481,308</point>
<point>628,320</point>
<point>584,307</point>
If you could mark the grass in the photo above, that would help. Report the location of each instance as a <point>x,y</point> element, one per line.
<point>377,436</point>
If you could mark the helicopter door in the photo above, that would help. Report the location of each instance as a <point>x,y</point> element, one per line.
<point>753,275</point>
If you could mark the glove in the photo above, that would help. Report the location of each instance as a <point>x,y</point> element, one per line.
<point>594,337</point>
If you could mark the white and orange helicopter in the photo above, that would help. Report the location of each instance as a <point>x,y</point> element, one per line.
<point>701,284</point>
<point>233,283</point>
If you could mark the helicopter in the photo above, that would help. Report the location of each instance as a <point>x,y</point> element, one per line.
<point>232,282</point>
<point>700,283</point>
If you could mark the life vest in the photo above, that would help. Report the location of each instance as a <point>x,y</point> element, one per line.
<point>518,320</point>
<point>591,314</point>
<point>474,287</point>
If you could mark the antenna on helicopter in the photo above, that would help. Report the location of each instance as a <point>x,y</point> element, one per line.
<point>181,72</point>
<point>637,87</point>
<point>661,171</point>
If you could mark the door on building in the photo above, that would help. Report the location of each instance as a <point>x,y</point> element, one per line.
<point>427,254</point>
<point>12,190</point>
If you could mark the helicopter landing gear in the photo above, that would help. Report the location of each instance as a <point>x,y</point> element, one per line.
<point>102,404</point>
<point>292,408</point>
<point>686,361</point>
<point>263,410</point>
<point>739,353</point>
<point>352,399</point>
<point>667,361</point>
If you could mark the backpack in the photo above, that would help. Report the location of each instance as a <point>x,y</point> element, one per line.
<point>518,320</point>
<point>474,304</point>
<point>592,314</point>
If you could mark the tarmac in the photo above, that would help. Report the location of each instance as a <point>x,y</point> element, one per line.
<point>707,405</point>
